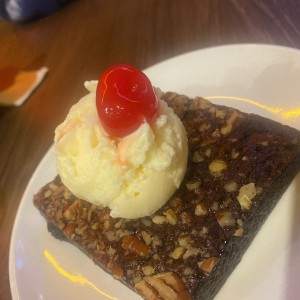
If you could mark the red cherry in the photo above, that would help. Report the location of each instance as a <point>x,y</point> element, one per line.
<point>125,99</point>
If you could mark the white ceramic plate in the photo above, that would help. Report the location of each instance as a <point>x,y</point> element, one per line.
<point>260,78</point>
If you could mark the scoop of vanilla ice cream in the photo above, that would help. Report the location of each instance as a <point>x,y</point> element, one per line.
<point>133,176</point>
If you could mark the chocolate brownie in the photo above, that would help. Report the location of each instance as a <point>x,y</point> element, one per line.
<point>238,168</point>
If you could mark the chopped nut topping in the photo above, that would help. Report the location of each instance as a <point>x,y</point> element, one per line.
<point>246,193</point>
<point>59,190</point>
<point>234,154</point>
<point>111,235</point>
<point>67,194</point>
<point>156,242</point>
<point>203,127</point>
<point>148,270</point>
<point>208,152</point>
<point>96,226</point>
<point>186,241</point>
<point>146,237</point>
<point>192,185</point>
<point>106,225</point>
<point>259,190</point>
<point>200,210</point>
<point>203,231</point>
<point>119,223</point>
<point>212,110</point>
<point>226,129</point>
<point>245,202</point>
<point>53,186</point>
<point>90,212</point>
<point>70,213</point>
<point>203,103</point>
<point>185,218</point>
<point>171,217</point>
<point>187,272</point>
<point>111,251</point>
<point>137,279</point>
<point>233,117</point>
<point>225,219</point>
<point>163,286</point>
<point>230,187</point>
<point>135,245</point>
<point>48,193</point>
<point>239,232</point>
<point>115,269</point>
<point>216,134</point>
<point>156,256</point>
<point>229,123</point>
<point>81,230</point>
<point>100,245</point>
<point>69,230</point>
<point>214,206</point>
<point>220,114</point>
<point>197,157</point>
<point>240,222</point>
<point>59,215</point>
<point>175,202</point>
<point>216,167</point>
<point>178,253</point>
<point>159,220</point>
<point>190,252</point>
<point>207,265</point>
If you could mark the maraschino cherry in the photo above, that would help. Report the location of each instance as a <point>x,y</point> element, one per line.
<point>125,99</point>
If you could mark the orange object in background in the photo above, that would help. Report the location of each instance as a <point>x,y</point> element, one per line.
<point>17,86</point>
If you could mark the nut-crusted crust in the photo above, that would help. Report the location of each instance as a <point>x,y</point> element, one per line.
<point>239,166</point>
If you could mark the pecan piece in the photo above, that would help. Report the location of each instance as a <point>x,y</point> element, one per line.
<point>71,212</point>
<point>135,245</point>
<point>207,265</point>
<point>171,216</point>
<point>246,193</point>
<point>163,286</point>
<point>217,167</point>
<point>69,230</point>
<point>115,269</point>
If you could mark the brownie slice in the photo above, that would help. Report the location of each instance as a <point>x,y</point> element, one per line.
<point>238,168</point>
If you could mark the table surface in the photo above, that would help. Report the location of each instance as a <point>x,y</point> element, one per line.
<point>84,38</point>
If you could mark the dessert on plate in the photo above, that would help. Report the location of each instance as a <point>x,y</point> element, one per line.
<point>162,191</point>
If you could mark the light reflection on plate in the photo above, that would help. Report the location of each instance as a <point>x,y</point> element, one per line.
<point>252,78</point>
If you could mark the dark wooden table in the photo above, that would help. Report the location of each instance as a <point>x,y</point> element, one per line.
<point>84,38</point>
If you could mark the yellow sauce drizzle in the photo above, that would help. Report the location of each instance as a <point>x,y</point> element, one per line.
<point>79,279</point>
<point>286,114</point>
